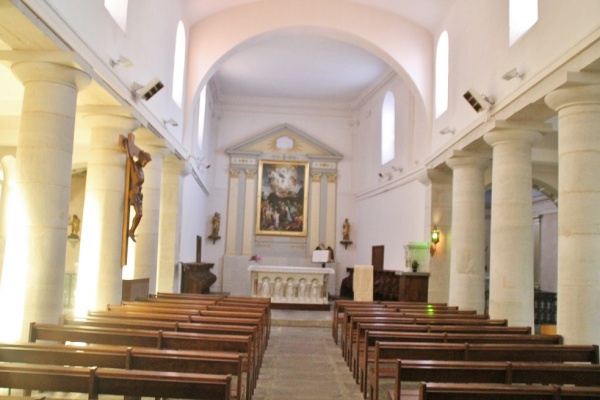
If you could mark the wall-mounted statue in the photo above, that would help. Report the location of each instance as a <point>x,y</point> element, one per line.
<point>216,226</point>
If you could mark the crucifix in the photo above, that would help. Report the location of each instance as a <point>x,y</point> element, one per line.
<point>134,179</point>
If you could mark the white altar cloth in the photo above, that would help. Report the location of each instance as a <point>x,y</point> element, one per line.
<point>300,285</point>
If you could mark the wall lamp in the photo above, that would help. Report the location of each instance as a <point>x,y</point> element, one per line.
<point>122,60</point>
<point>513,73</point>
<point>447,130</point>
<point>478,101</point>
<point>435,238</point>
<point>170,121</point>
<point>148,90</point>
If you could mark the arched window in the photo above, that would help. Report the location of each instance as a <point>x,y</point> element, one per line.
<point>118,10</point>
<point>442,56</point>
<point>179,65</point>
<point>388,128</point>
<point>522,15</point>
<point>201,117</point>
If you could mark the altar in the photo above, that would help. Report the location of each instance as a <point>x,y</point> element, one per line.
<point>292,287</point>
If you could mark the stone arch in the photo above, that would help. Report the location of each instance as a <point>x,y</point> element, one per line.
<point>403,45</point>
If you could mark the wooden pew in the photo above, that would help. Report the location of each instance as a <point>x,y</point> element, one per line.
<point>454,391</point>
<point>241,344</point>
<point>351,335</point>
<point>206,362</point>
<point>493,372</point>
<point>365,351</point>
<point>389,352</point>
<point>107,381</point>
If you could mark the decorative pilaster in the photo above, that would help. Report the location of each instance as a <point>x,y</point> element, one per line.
<point>232,207</point>
<point>142,254</point>
<point>331,207</point>
<point>249,206</point>
<point>169,222</point>
<point>100,270</point>
<point>467,259</point>
<point>32,290</point>
<point>578,314</point>
<point>511,237</point>
<point>315,211</point>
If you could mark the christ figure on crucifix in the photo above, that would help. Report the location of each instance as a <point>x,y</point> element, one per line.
<point>136,180</point>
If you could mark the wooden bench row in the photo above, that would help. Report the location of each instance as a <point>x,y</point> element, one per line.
<point>96,381</point>
<point>387,353</point>
<point>449,391</point>
<point>492,372</point>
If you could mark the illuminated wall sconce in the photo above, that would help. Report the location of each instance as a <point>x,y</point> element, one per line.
<point>75,224</point>
<point>435,238</point>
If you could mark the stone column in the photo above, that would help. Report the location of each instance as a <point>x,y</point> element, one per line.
<point>143,253</point>
<point>169,222</point>
<point>232,211</point>
<point>467,259</point>
<point>511,229</point>
<point>315,212</point>
<point>9,171</point>
<point>331,207</point>
<point>578,314</point>
<point>99,279</point>
<point>438,212</point>
<point>35,253</point>
<point>249,207</point>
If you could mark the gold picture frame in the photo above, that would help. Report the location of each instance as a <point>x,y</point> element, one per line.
<point>282,206</point>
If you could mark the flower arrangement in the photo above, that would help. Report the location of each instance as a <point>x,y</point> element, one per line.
<point>256,258</point>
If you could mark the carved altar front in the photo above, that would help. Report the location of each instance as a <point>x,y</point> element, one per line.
<point>294,287</point>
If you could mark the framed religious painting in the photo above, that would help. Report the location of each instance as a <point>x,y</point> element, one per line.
<point>282,206</point>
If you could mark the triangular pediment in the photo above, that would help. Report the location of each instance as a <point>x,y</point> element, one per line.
<point>284,140</point>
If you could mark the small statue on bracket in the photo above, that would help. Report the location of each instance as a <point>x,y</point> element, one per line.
<point>346,234</point>
<point>216,226</point>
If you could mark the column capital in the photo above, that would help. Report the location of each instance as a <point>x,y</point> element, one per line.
<point>455,162</point>
<point>234,172</point>
<point>316,176</point>
<point>32,71</point>
<point>111,121</point>
<point>250,173</point>
<point>331,178</point>
<point>512,135</point>
<point>573,95</point>
<point>175,165</point>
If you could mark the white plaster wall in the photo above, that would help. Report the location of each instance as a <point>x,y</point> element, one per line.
<point>480,52</point>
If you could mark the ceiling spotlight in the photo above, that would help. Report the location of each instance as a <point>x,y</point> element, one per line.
<point>147,91</point>
<point>447,130</point>
<point>124,61</point>
<point>477,100</point>
<point>513,73</point>
<point>170,121</point>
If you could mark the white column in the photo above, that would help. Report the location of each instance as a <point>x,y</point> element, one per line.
<point>9,170</point>
<point>578,314</point>
<point>35,254</point>
<point>511,230</point>
<point>315,211</point>
<point>467,259</point>
<point>169,222</point>
<point>99,278</point>
<point>143,253</point>
<point>249,207</point>
<point>331,207</point>
<point>232,211</point>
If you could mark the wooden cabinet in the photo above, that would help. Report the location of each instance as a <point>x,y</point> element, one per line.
<point>413,286</point>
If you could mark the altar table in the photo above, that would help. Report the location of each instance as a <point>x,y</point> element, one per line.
<point>291,285</point>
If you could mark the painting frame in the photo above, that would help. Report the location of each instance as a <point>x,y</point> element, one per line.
<point>282,198</point>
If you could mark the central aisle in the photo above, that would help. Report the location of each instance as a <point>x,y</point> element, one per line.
<point>304,363</point>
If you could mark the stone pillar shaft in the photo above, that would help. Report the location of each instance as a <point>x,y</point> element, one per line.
<point>511,237</point>
<point>578,292</point>
<point>467,259</point>
<point>99,280</point>
<point>249,220</point>
<point>43,165</point>
<point>331,207</point>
